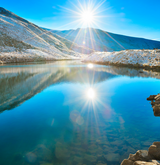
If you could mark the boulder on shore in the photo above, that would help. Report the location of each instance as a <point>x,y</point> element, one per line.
<point>144,157</point>
<point>155,102</point>
<point>140,155</point>
<point>144,163</point>
<point>154,150</point>
<point>127,162</point>
<point>151,97</point>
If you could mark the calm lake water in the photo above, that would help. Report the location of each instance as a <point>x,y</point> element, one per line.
<point>70,113</point>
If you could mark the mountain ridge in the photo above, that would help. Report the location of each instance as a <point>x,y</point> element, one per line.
<point>23,41</point>
<point>30,42</point>
<point>107,41</point>
<point>12,15</point>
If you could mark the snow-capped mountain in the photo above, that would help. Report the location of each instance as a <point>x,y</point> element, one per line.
<point>19,35</point>
<point>23,41</point>
<point>100,40</point>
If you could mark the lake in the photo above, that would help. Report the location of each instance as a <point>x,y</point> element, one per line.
<point>71,113</point>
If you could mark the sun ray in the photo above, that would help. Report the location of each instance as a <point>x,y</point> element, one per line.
<point>113,39</point>
<point>91,37</point>
<point>81,14</point>
<point>81,6</point>
<point>77,36</point>
<point>70,10</point>
<point>88,15</point>
<point>101,11</point>
<point>99,37</point>
<point>75,6</point>
<point>49,31</point>
<point>99,5</point>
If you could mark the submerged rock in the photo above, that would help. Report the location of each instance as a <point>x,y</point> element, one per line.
<point>78,159</point>
<point>45,163</point>
<point>30,157</point>
<point>100,163</point>
<point>90,158</point>
<point>61,151</point>
<point>112,157</point>
<point>41,153</point>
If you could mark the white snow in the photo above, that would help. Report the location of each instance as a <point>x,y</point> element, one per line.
<point>45,45</point>
<point>127,57</point>
<point>30,55</point>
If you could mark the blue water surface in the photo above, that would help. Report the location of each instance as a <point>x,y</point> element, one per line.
<point>69,113</point>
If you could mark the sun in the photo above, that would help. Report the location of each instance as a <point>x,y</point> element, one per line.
<point>86,13</point>
<point>87,17</point>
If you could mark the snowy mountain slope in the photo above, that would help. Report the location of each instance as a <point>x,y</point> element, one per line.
<point>138,58</point>
<point>32,40</point>
<point>70,44</point>
<point>100,40</point>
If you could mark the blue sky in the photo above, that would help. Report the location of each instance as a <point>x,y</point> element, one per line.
<point>139,18</point>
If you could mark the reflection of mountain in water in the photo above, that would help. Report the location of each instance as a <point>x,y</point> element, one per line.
<point>131,72</point>
<point>18,84</point>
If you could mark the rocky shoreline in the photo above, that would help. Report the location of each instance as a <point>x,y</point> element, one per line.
<point>155,102</point>
<point>144,157</point>
<point>152,156</point>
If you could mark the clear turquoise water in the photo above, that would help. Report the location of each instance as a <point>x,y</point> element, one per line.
<point>68,114</point>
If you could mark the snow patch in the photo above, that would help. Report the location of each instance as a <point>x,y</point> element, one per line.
<point>127,57</point>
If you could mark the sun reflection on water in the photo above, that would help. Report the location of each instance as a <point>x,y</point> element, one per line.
<point>90,66</point>
<point>90,93</point>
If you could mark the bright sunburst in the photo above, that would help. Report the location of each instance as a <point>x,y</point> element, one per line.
<point>87,17</point>
<point>90,93</point>
<point>86,12</point>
